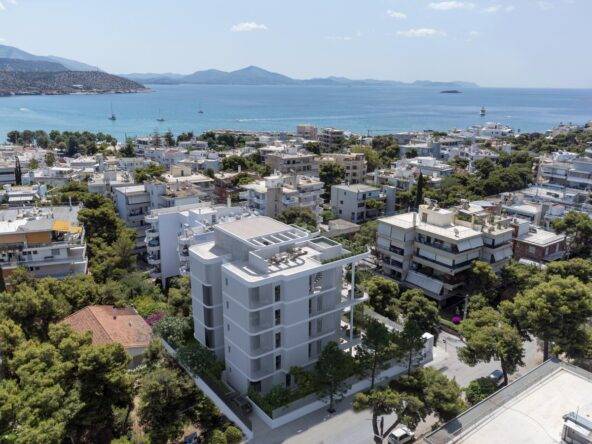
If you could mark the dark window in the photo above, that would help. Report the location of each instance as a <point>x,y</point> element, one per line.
<point>278,293</point>
<point>278,340</point>
<point>278,362</point>
<point>278,317</point>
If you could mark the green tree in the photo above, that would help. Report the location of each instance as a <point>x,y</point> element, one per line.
<point>167,402</point>
<point>488,336</point>
<point>554,311</point>
<point>370,154</point>
<point>382,292</point>
<point>330,174</point>
<point>331,372</point>
<point>578,231</point>
<point>415,307</point>
<point>233,435</point>
<point>33,164</point>
<point>578,267</point>
<point>377,347</point>
<point>128,149</point>
<point>410,341</point>
<point>231,163</point>
<point>419,191</point>
<point>479,389</point>
<point>148,173</point>
<point>407,408</point>
<point>483,280</point>
<point>301,216</point>
<point>516,277</point>
<point>50,158</point>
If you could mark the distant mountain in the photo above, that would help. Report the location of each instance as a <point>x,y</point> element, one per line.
<point>10,52</point>
<point>18,65</point>
<point>253,75</point>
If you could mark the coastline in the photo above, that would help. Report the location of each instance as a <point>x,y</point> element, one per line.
<point>73,93</point>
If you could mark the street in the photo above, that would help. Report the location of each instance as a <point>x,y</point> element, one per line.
<point>346,426</point>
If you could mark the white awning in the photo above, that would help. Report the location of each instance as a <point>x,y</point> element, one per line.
<point>427,283</point>
<point>469,244</point>
<point>502,254</point>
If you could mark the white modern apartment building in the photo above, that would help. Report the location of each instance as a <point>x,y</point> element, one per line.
<point>292,161</point>
<point>48,241</point>
<point>433,249</point>
<point>276,193</point>
<point>359,203</point>
<point>171,231</point>
<point>266,297</point>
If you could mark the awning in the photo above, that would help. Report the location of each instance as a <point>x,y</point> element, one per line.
<point>502,254</point>
<point>469,244</point>
<point>65,226</point>
<point>427,283</point>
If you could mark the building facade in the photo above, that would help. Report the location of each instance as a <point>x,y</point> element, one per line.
<point>266,297</point>
<point>354,165</point>
<point>359,203</point>
<point>433,249</point>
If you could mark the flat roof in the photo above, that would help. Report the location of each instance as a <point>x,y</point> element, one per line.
<point>529,410</point>
<point>359,187</point>
<point>542,237</point>
<point>454,232</point>
<point>255,227</point>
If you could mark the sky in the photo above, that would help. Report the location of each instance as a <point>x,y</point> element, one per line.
<point>506,43</point>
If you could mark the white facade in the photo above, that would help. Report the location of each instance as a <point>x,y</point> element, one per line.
<point>267,297</point>
<point>171,231</point>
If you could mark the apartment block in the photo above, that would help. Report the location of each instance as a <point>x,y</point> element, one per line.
<point>276,193</point>
<point>292,161</point>
<point>266,297</point>
<point>171,231</point>
<point>568,169</point>
<point>535,244</point>
<point>331,140</point>
<point>359,203</point>
<point>307,132</point>
<point>47,241</point>
<point>433,249</point>
<point>354,164</point>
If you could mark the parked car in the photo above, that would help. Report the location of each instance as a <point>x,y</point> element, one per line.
<point>497,376</point>
<point>401,435</point>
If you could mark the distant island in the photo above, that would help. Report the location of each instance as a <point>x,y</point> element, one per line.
<point>253,75</point>
<point>22,73</point>
<point>451,91</point>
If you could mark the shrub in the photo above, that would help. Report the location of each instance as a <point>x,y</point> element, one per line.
<point>200,360</point>
<point>233,435</point>
<point>218,437</point>
<point>176,331</point>
<point>479,389</point>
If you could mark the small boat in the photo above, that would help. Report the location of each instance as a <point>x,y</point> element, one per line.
<point>113,117</point>
<point>200,111</point>
<point>483,111</point>
<point>160,118</point>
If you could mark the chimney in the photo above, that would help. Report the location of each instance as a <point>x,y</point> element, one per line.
<point>228,201</point>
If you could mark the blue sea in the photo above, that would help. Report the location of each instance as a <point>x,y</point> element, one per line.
<point>374,109</point>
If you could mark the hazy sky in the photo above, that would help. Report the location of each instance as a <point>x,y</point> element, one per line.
<point>545,43</point>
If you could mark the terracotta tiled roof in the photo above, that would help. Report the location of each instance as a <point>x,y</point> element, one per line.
<point>109,325</point>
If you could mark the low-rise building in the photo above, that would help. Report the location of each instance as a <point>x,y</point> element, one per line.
<point>268,297</point>
<point>547,405</point>
<point>276,193</point>
<point>567,169</point>
<point>354,165</point>
<point>535,244</point>
<point>7,173</point>
<point>110,325</point>
<point>433,249</point>
<point>48,241</point>
<point>307,132</point>
<point>359,202</point>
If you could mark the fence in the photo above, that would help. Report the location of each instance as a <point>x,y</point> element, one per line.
<point>220,394</point>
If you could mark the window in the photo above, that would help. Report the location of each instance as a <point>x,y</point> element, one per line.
<point>278,293</point>
<point>55,251</point>
<point>309,350</point>
<point>229,349</point>
<point>227,327</point>
<point>278,340</point>
<point>227,305</point>
<point>319,325</point>
<point>278,317</point>
<point>531,249</point>
<point>278,362</point>
<point>288,379</point>
<point>226,282</point>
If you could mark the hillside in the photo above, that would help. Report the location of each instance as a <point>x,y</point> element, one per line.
<point>253,75</point>
<point>10,52</point>
<point>64,82</point>
<point>18,65</point>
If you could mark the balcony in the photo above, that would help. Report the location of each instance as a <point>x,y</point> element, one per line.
<point>153,259</point>
<point>151,234</point>
<point>438,245</point>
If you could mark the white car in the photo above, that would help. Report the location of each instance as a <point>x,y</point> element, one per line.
<point>401,435</point>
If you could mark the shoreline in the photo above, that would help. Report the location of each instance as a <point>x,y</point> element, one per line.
<point>75,93</point>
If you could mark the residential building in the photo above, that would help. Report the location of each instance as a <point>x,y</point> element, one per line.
<point>267,297</point>
<point>48,241</point>
<point>535,244</point>
<point>274,194</point>
<point>359,203</point>
<point>567,169</point>
<point>292,161</point>
<point>354,165</point>
<point>307,132</point>
<point>420,148</point>
<point>433,249</point>
<point>428,166</point>
<point>134,202</point>
<point>331,140</point>
<point>7,173</point>
<point>547,405</point>
<point>23,195</point>
<point>110,325</point>
<point>106,182</point>
<point>170,232</point>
